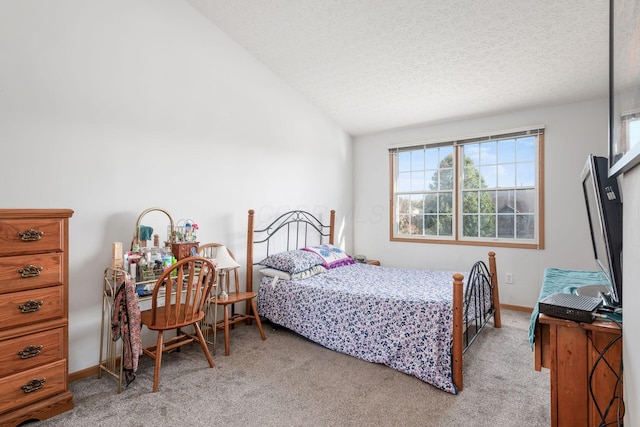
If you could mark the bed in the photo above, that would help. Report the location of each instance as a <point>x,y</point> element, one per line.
<point>419,322</point>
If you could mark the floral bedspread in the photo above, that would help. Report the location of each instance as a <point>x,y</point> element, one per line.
<point>398,317</point>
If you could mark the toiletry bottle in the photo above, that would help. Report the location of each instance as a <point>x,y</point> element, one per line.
<point>188,232</point>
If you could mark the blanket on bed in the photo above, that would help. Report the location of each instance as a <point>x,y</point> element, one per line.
<point>398,317</point>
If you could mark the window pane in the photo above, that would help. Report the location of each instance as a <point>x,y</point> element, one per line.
<point>632,128</point>
<point>417,181</point>
<point>488,176</point>
<point>416,224</point>
<point>445,203</point>
<point>404,161</point>
<point>506,202</point>
<point>432,158</point>
<point>505,226</point>
<point>487,226</point>
<point>431,203</point>
<point>446,156</point>
<point>471,178</point>
<point>470,225</point>
<point>525,226</point>
<point>526,149</point>
<point>487,202</point>
<point>403,182</point>
<point>417,160</point>
<point>417,204</point>
<point>430,225</point>
<point>488,155</point>
<point>404,224</point>
<point>526,175</point>
<point>507,175</point>
<point>446,179</point>
<point>445,225</point>
<point>471,152</point>
<point>525,201</point>
<point>432,179</point>
<point>507,151</point>
<point>470,201</point>
<point>403,204</point>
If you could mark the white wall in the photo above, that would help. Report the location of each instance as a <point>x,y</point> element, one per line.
<point>572,132</point>
<point>112,107</point>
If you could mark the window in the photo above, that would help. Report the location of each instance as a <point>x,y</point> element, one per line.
<point>630,130</point>
<point>485,190</point>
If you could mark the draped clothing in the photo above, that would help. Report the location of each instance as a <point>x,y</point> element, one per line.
<point>126,324</point>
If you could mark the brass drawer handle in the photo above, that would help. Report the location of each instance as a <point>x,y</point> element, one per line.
<point>33,385</point>
<point>30,351</point>
<point>31,235</point>
<point>29,271</point>
<point>31,306</point>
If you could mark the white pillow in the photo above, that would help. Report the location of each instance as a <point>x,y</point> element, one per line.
<point>272,272</point>
<point>318,269</point>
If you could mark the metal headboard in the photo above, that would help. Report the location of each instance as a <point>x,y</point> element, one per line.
<point>296,226</point>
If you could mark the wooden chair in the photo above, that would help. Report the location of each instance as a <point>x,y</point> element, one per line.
<point>178,300</point>
<point>209,250</point>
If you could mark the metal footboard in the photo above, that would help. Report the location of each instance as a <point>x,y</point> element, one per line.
<point>479,306</point>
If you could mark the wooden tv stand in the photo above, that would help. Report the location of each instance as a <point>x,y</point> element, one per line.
<point>570,349</point>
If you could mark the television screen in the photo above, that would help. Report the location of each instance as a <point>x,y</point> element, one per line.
<point>604,210</point>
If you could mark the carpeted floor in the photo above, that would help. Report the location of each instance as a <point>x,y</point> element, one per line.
<point>290,381</point>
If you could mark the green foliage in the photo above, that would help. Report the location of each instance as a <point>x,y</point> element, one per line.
<point>431,214</point>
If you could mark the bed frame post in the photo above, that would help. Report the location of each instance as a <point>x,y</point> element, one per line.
<point>249,274</point>
<point>497,322</point>
<point>332,224</point>
<point>457,349</point>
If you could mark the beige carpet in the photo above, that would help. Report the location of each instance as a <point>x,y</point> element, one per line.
<point>290,381</point>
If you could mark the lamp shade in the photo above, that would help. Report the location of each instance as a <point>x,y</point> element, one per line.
<point>224,260</point>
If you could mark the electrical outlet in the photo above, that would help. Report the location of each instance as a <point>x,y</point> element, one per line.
<point>509,278</point>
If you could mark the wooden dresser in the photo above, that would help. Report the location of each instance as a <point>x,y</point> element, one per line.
<point>584,358</point>
<point>34,311</point>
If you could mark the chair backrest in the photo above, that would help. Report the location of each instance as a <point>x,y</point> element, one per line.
<point>209,251</point>
<point>181,292</point>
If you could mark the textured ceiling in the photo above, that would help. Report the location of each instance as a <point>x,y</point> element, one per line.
<point>372,65</point>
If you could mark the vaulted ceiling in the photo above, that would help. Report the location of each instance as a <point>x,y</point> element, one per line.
<point>372,65</point>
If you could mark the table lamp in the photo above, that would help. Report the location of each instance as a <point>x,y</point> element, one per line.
<point>224,263</point>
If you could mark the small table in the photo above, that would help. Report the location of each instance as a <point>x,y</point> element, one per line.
<point>571,350</point>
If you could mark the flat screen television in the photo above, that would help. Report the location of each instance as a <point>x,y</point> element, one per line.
<point>604,210</point>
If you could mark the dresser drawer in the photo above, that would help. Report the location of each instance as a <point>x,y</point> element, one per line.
<point>29,351</point>
<point>23,236</point>
<point>30,386</point>
<point>27,307</point>
<point>30,271</point>
<point>183,250</point>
